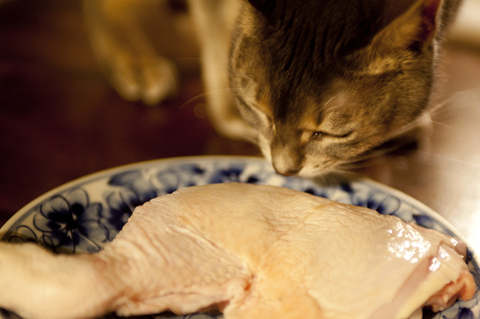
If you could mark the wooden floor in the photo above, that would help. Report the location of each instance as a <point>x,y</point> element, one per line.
<point>60,120</point>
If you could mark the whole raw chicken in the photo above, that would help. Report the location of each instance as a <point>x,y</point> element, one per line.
<point>255,252</point>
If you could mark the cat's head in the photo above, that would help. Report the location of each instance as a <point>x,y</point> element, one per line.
<point>324,82</point>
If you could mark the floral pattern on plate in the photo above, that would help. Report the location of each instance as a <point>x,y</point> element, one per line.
<point>82,216</point>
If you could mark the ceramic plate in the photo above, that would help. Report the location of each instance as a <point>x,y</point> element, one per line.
<point>83,215</point>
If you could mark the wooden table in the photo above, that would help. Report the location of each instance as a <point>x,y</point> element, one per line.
<point>60,120</point>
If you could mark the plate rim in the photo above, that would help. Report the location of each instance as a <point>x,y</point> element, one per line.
<point>425,208</point>
<point>154,162</point>
<point>110,171</point>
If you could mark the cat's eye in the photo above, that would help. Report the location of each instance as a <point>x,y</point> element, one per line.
<point>317,135</point>
<point>347,134</point>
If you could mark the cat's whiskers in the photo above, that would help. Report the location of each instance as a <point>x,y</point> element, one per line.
<point>438,110</point>
<point>252,137</point>
<point>451,160</point>
<point>196,97</point>
<point>343,172</point>
<point>351,165</point>
<point>440,107</point>
<point>322,179</point>
<point>364,160</point>
<point>333,166</point>
<point>442,124</point>
<point>202,95</point>
<point>446,106</point>
<point>423,120</point>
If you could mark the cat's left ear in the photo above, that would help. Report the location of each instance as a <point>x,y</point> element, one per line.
<point>413,30</point>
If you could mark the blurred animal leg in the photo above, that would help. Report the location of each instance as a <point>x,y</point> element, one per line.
<point>125,53</point>
<point>214,22</point>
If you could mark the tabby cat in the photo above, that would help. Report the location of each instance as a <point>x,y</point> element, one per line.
<point>315,83</point>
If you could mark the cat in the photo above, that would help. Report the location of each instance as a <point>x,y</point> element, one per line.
<point>316,84</point>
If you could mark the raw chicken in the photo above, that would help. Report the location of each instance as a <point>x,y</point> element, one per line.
<point>255,252</point>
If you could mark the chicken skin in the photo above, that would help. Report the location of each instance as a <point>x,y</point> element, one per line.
<point>253,252</point>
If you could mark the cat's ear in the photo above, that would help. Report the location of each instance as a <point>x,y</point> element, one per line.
<point>413,30</point>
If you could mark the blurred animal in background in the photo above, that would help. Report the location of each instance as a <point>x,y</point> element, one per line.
<point>317,85</point>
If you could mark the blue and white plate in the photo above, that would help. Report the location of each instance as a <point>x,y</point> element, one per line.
<point>83,215</point>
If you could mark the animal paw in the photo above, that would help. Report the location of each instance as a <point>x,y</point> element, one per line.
<point>150,79</point>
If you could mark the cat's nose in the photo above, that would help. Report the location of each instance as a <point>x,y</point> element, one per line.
<point>288,173</point>
<point>286,160</point>
<point>286,170</point>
